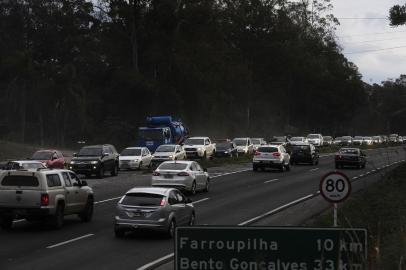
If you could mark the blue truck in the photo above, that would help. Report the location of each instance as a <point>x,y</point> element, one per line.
<point>161,130</point>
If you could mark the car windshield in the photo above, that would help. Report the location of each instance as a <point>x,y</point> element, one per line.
<point>367,138</point>
<point>358,138</point>
<point>166,148</point>
<point>142,199</point>
<point>339,138</point>
<point>240,142</point>
<point>194,142</point>
<point>173,166</point>
<point>90,151</point>
<point>313,136</point>
<point>296,139</point>
<point>327,138</point>
<point>151,134</point>
<point>131,152</point>
<point>346,138</point>
<point>267,149</point>
<point>223,145</point>
<point>278,139</point>
<point>300,148</point>
<point>348,151</point>
<point>42,155</point>
<point>30,166</point>
<point>256,141</point>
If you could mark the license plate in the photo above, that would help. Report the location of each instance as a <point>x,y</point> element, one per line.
<point>133,214</point>
<point>168,176</point>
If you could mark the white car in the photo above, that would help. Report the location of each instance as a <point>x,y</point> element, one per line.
<point>244,146</point>
<point>183,175</point>
<point>377,139</point>
<point>199,147</point>
<point>24,165</point>
<point>168,152</point>
<point>368,140</point>
<point>257,142</point>
<point>135,158</point>
<point>315,139</point>
<point>297,140</point>
<point>358,140</point>
<point>271,156</point>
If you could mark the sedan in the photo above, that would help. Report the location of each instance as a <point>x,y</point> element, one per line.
<point>160,209</point>
<point>350,157</point>
<point>226,148</point>
<point>50,158</point>
<point>184,175</point>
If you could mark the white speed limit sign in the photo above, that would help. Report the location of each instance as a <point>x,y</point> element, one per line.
<point>335,187</point>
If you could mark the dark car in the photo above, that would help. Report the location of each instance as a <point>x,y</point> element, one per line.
<point>226,148</point>
<point>304,153</point>
<point>353,157</point>
<point>95,159</point>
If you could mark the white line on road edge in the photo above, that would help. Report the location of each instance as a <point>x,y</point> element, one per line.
<point>18,220</point>
<point>202,200</point>
<point>275,210</point>
<point>355,177</point>
<point>156,262</point>
<point>108,200</point>
<point>224,174</point>
<point>270,181</point>
<point>70,241</point>
<point>313,170</point>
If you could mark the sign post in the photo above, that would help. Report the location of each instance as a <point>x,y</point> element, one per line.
<point>275,248</point>
<point>335,187</point>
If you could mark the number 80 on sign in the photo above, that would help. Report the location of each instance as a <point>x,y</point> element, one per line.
<point>335,187</point>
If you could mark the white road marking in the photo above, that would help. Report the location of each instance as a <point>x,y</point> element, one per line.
<point>19,220</point>
<point>108,200</point>
<point>157,261</point>
<point>274,210</point>
<point>202,200</point>
<point>70,241</point>
<point>313,170</point>
<point>224,174</point>
<point>355,177</point>
<point>270,181</point>
<point>361,175</point>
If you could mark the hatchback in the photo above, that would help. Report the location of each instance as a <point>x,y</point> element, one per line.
<point>160,209</point>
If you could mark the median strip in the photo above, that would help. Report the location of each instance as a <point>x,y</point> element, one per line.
<point>72,240</point>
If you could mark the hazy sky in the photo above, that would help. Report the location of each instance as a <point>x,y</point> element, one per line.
<point>367,42</point>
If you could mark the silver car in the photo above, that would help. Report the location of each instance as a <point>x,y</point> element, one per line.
<point>271,156</point>
<point>184,175</point>
<point>160,209</point>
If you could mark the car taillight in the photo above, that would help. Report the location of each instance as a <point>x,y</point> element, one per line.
<point>183,174</point>
<point>163,202</point>
<point>277,154</point>
<point>156,173</point>
<point>44,199</point>
<point>257,153</point>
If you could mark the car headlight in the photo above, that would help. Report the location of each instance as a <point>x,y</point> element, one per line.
<point>225,152</point>
<point>73,162</point>
<point>170,157</point>
<point>200,149</point>
<point>94,162</point>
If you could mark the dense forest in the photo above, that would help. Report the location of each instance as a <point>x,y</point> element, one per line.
<point>93,70</point>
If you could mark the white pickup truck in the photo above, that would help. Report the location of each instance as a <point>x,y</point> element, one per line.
<point>43,195</point>
<point>199,147</point>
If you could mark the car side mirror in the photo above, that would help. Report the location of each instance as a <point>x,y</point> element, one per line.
<point>188,200</point>
<point>205,169</point>
<point>105,154</point>
<point>83,183</point>
<point>74,155</point>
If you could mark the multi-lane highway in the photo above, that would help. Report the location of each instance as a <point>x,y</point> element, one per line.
<point>237,196</point>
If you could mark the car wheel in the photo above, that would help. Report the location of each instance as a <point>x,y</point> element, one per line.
<point>193,189</point>
<point>192,219</point>
<point>6,223</point>
<point>87,212</point>
<point>88,175</point>
<point>254,168</point>
<point>204,156</point>
<point>114,172</point>
<point>363,165</point>
<point>287,167</point>
<point>237,155</point>
<point>140,166</point>
<point>207,187</point>
<point>57,219</point>
<point>100,173</point>
<point>171,229</point>
<point>317,161</point>
<point>282,168</point>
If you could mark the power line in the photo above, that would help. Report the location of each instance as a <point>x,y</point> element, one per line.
<point>369,34</point>
<point>376,50</point>
<point>373,40</point>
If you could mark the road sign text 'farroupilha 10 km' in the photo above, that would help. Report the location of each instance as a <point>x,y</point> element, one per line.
<point>270,248</point>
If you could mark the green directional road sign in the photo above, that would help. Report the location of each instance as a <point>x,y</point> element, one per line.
<point>270,248</point>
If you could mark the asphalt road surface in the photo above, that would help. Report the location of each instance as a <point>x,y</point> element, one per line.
<point>237,195</point>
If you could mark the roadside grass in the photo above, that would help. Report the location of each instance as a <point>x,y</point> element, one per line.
<point>381,209</point>
<point>220,161</point>
<point>14,151</point>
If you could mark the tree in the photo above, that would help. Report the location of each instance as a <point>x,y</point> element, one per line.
<point>397,15</point>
